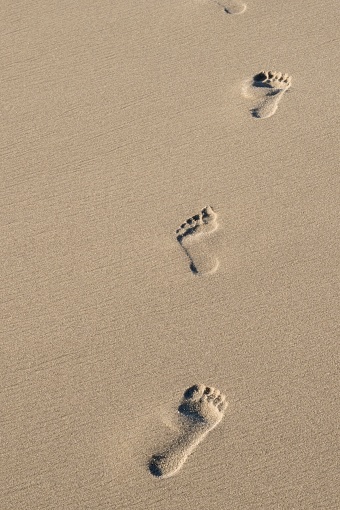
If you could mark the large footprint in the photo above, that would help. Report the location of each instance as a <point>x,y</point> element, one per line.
<point>193,236</point>
<point>200,410</point>
<point>268,88</point>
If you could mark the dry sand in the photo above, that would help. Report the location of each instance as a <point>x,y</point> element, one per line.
<point>120,120</point>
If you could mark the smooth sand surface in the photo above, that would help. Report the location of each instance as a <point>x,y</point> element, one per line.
<point>119,121</point>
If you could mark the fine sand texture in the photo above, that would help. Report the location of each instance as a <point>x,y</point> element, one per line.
<point>169,217</point>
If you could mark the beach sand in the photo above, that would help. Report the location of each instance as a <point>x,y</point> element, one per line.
<point>120,121</point>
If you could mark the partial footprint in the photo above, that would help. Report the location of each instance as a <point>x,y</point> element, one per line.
<point>268,88</point>
<point>193,237</point>
<point>200,410</point>
<point>231,6</point>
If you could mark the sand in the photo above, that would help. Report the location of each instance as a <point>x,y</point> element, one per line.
<point>120,121</point>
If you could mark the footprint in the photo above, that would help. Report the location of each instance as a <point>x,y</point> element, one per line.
<point>231,6</point>
<point>200,410</point>
<point>268,87</point>
<point>193,236</point>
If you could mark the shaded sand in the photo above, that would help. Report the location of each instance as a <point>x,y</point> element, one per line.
<point>119,120</point>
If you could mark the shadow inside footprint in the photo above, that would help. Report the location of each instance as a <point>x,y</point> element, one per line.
<point>190,392</point>
<point>259,80</point>
<point>188,232</point>
<point>193,268</point>
<point>154,465</point>
<point>260,77</point>
<point>255,113</point>
<point>189,412</point>
<point>232,6</point>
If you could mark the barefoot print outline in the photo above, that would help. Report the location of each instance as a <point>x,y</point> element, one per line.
<point>191,236</point>
<point>201,410</point>
<point>268,87</point>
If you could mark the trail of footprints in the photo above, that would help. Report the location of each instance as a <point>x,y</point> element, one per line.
<point>268,88</point>
<point>202,407</point>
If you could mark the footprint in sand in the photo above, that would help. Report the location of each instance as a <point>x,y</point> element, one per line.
<point>231,6</point>
<point>193,237</point>
<point>268,88</point>
<point>200,410</point>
